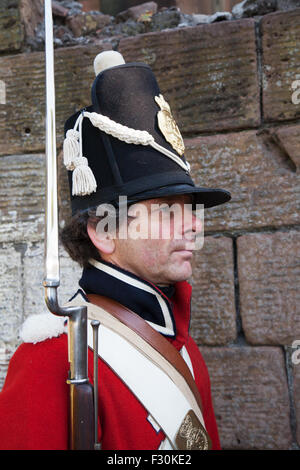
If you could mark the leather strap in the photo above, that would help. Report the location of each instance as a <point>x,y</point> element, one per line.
<point>152,337</point>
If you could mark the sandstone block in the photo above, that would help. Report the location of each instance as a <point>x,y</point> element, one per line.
<point>250,394</point>
<point>269,276</point>
<point>11,294</point>
<point>22,197</point>
<point>11,30</point>
<point>213,305</point>
<point>208,73</point>
<point>280,39</point>
<point>263,183</point>
<point>136,12</point>
<point>22,117</point>
<point>288,138</point>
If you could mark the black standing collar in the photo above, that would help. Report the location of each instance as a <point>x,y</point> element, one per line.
<point>140,296</point>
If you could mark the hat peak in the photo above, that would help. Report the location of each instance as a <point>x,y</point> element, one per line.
<point>107,59</point>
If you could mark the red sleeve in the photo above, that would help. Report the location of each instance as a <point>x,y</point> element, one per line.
<point>203,383</point>
<point>34,399</point>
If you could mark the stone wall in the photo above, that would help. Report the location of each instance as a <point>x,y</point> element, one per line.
<point>232,86</point>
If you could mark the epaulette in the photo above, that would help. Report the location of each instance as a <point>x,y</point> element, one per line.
<point>37,328</point>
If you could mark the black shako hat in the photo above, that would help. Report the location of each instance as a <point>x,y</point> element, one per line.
<point>127,143</point>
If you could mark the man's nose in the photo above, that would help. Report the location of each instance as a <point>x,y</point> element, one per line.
<point>197,223</point>
<point>192,221</point>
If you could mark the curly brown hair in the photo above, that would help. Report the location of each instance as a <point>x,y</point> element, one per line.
<point>75,238</point>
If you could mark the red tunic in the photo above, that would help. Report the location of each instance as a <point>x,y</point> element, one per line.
<point>34,399</point>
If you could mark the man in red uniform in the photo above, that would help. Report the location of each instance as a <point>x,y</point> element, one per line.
<point>126,144</point>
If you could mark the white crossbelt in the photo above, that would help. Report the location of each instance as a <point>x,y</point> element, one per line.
<point>152,387</point>
<point>151,378</point>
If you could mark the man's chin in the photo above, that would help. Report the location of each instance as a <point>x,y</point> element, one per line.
<point>180,271</point>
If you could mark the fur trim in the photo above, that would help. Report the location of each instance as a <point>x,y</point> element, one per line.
<point>40,327</point>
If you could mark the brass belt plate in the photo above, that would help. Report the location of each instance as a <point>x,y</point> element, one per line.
<point>192,435</point>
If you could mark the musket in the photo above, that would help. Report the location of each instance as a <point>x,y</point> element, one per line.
<point>81,416</point>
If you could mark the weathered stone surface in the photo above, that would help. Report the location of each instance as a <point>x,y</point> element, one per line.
<point>288,138</point>
<point>136,12</point>
<point>59,10</point>
<point>280,64</point>
<point>250,395</point>
<point>11,30</point>
<point>32,14</point>
<point>269,279</point>
<point>87,5</point>
<point>248,8</point>
<point>165,19</point>
<point>87,23</point>
<point>22,197</point>
<point>5,356</point>
<point>22,118</point>
<point>11,296</point>
<point>213,305</point>
<point>207,73</point>
<point>287,4</point>
<point>34,302</point>
<point>264,188</point>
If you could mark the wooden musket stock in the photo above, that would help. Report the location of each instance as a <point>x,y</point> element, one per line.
<point>81,417</point>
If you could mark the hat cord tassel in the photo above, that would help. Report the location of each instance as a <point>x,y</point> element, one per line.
<point>71,146</point>
<point>83,180</point>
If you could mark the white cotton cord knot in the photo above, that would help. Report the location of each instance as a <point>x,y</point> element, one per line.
<point>79,161</point>
<point>83,180</point>
<point>71,148</point>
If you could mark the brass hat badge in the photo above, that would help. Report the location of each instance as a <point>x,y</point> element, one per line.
<point>168,126</point>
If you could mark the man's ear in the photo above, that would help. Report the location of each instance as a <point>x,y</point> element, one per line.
<point>102,242</point>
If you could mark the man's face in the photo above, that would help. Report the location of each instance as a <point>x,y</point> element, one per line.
<point>160,242</point>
